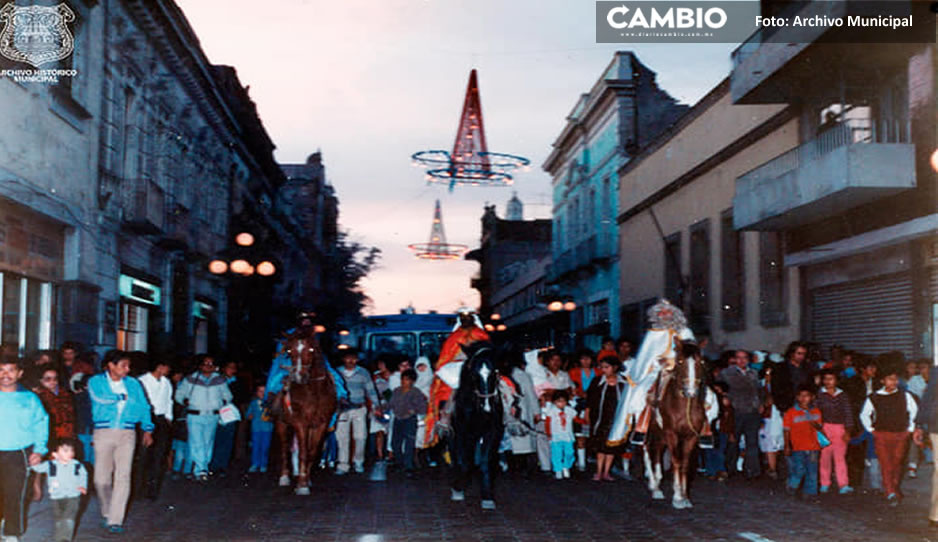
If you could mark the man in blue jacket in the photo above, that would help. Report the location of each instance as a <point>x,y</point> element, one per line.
<point>118,405</point>
<point>23,442</point>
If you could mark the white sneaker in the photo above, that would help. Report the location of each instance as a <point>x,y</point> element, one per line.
<point>359,468</point>
<point>566,473</point>
<point>558,475</point>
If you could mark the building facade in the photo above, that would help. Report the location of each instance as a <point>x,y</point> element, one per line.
<point>852,202</point>
<point>118,186</point>
<point>513,256</point>
<point>623,111</point>
<point>676,231</point>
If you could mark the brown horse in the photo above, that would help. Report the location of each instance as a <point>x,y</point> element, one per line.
<point>308,405</point>
<point>678,420</point>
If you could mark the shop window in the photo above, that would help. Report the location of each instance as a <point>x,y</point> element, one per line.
<point>132,328</point>
<point>25,313</point>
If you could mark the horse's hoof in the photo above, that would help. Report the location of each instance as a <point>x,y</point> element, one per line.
<point>488,504</point>
<point>303,491</point>
<point>457,496</point>
<point>657,495</point>
<point>284,481</point>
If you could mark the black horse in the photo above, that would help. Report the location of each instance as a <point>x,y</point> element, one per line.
<point>478,422</point>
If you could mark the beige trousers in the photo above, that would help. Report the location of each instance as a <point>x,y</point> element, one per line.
<point>113,460</point>
<point>351,423</point>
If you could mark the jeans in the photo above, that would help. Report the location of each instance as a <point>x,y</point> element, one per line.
<point>405,435</point>
<point>260,448</point>
<point>561,455</point>
<point>331,448</point>
<point>87,448</point>
<point>202,429</point>
<point>65,512</point>
<point>747,425</point>
<point>715,458</point>
<point>224,443</point>
<point>181,461</point>
<point>802,466</point>
<point>13,476</point>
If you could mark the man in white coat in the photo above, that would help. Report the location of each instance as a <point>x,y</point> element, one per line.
<point>657,350</point>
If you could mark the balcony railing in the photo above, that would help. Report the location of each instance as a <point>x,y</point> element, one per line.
<point>841,134</point>
<point>144,203</point>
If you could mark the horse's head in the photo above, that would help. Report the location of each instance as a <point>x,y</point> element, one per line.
<point>480,376</point>
<point>305,355</point>
<point>688,367</point>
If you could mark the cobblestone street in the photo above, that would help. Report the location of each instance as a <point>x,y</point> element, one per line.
<point>351,508</point>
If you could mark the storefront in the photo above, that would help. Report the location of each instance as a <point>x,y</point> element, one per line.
<point>31,266</point>
<point>139,305</point>
<point>205,332</point>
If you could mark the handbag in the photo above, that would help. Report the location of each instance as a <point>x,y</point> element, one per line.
<point>822,439</point>
<point>228,414</point>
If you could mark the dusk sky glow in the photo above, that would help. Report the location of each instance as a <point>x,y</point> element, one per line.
<point>369,83</point>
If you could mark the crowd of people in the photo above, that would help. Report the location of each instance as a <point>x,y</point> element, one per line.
<point>843,422</point>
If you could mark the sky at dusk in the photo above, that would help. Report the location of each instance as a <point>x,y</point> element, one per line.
<point>369,83</point>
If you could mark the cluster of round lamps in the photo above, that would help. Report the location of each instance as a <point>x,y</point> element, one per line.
<point>242,266</point>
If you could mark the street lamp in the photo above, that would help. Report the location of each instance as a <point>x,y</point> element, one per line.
<point>555,306</point>
<point>218,267</point>
<point>244,239</point>
<point>343,332</point>
<point>500,327</point>
<point>496,316</point>
<point>240,267</point>
<point>569,306</point>
<point>266,269</point>
<point>319,328</point>
<point>489,327</point>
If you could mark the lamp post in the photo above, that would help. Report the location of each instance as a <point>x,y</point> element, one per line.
<point>563,305</point>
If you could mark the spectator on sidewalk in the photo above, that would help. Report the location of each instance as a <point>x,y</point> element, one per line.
<point>890,415</point>
<point>582,376</point>
<point>378,425</point>
<point>838,426</point>
<point>523,445</point>
<point>860,449</point>
<point>203,393</point>
<point>745,395</point>
<point>119,405</point>
<point>353,416</point>
<point>68,481</point>
<point>802,422</point>
<point>261,431</point>
<point>22,444</point>
<point>916,387</point>
<point>724,430</point>
<point>406,403</point>
<point>225,434</point>
<point>159,391</point>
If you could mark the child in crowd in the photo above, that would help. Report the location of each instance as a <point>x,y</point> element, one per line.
<point>838,426</point>
<point>406,403</point>
<point>261,431</point>
<point>801,424</point>
<point>68,481</point>
<point>725,432</point>
<point>558,421</point>
<point>889,414</point>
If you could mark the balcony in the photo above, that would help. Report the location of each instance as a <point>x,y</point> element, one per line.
<point>143,205</point>
<point>777,63</point>
<point>852,163</point>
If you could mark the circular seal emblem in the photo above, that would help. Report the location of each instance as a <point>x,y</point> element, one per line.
<point>36,35</point>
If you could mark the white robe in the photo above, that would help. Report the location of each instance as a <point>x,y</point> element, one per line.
<point>657,344</point>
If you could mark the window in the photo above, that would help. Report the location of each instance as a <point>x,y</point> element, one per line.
<point>700,276</point>
<point>431,343</point>
<point>402,344</point>
<point>598,312</point>
<point>772,284</point>
<point>673,281</point>
<point>732,275</point>
<point>25,313</point>
<point>132,328</point>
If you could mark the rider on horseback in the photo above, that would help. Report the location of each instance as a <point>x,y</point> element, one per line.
<point>657,351</point>
<point>280,367</point>
<point>468,330</point>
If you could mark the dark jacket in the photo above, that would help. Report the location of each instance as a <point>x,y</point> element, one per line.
<point>745,392</point>
<point>836,409</point>
<point>785,384</point>
<point>927,417</point>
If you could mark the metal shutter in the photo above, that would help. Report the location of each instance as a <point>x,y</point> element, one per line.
<point>871,316</point>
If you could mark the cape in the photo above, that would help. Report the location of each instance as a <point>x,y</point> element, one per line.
<point>450,352</point>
